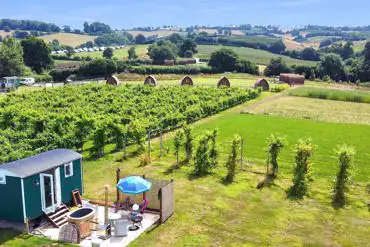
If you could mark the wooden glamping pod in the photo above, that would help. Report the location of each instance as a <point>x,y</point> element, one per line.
<point>187,81</point>
<point>223,82</point>
<point>292,79</point>
<point>112,80</point>
<point>263,84</point>
<point>151,81</point>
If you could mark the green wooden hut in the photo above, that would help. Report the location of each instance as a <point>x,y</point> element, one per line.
<point>39,184</point>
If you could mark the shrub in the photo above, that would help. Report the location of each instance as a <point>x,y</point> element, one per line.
<point>345,158</point>
<point>279,88</point>
<point>206,154</point>
<point>303,151</point>
<point>275,145</point>
<point>62,75</point>
<point>188,143</point>
<point>232,160</point>
<point>43,78</point>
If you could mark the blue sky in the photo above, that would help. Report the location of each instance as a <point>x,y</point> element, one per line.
<point>134,13</point>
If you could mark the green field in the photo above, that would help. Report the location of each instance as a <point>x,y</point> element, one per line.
<point>332,94</point>
<point>122,53</point>
<point>253,55</point>
<point>70,39</point>
<point>315,109</point>
<point>210,213</point>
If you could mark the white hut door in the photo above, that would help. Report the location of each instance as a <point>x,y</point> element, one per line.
<point>47,192</point>
<point>58,191</point>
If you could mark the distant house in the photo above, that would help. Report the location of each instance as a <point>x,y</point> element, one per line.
<point>9,83</point>
<point>76,50</point>
<point>84,49</point>
<point>96,48</point>
<point>90,50</point>
<point>53,52</point>
<point>37,185</point>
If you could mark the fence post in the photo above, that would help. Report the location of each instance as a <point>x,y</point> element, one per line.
<point>144,194</point>
<point>118,175</point>
<point>124,144</point>
<point>150,130</point>
<point>106,205</point>
<point>161,143</point>
<point>27,225</point>
<point>241,153</point>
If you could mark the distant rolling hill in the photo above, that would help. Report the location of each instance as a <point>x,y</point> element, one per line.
<point>70,39</point>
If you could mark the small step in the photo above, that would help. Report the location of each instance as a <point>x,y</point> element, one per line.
<point>62,222</point>
<point>58,213</point>
<point>60,218</point>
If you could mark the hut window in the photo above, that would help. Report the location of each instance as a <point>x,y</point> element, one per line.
<point>2,179</point>
<point>68,169</point>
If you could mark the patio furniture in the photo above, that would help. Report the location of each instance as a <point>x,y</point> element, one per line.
<point>144,205</point>
<point>136,219</point>
<point>134,185</point>
<point>113,217</point>
<point>121,228</point>
<point>103,231</point>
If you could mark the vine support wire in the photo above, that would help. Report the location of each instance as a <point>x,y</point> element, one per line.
<point>124,144</point>
<point>161,143</point>
<point>241,153</point>
<point>149,133</point>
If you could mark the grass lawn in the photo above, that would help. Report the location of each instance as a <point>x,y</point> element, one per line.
<point>11,238</point>
<point>141,51</point>
<point>253,55</point>
<point>70,39</point>
<point>332,94</point>
<point>208,212</point>
<point>315,109</point>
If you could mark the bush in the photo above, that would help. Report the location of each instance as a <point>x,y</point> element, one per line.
<point>275,145</point>
<point>43,78</point>
<point>178,69</point>
<point>188,143</point>
<point>345,158</point>
<point>62,75</point>
<point>276,67</point>
<point>303,151</point>
<point>276,88</point>
<point>232,160</point>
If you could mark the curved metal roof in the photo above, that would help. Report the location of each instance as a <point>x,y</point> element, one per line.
<point>41,162</point>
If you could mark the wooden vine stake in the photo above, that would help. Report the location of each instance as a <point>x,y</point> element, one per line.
<point>106,205</point>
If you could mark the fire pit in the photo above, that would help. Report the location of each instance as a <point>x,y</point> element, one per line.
<point>81,218</point>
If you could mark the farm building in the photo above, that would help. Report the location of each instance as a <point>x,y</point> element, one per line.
<point>39,184</point>
<point>262,83</point>
<point>292,79</point>
<point>150,80</point>
<point>187,81</point>
<point>223,82</point>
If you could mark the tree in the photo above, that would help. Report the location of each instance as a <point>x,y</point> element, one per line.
<point>310,54</point>
<point>177,143</point>
<point>276,67</point>
<point>303,152</point>
<point>113,39</point>
<point>275,145</point>
<point>347,50</point>
<point>277,47</point>
<point>213,150</point>
<point>162,51</point>
<point>345,158</point>
<point>188,45</point>
<point>175,38</point>
<point>70,50</point>
<point>86,27</point>
<point>67,29</point>
<point>108,53</point>
<point>132,53</point>
<point>36,54</point>
<point>11,58</point>
<point>140,39</point>
<point>332,66</point>
<point>244,66</point>
<point>188,143</point>
<point>223,60</point>
<point>231,163</point>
